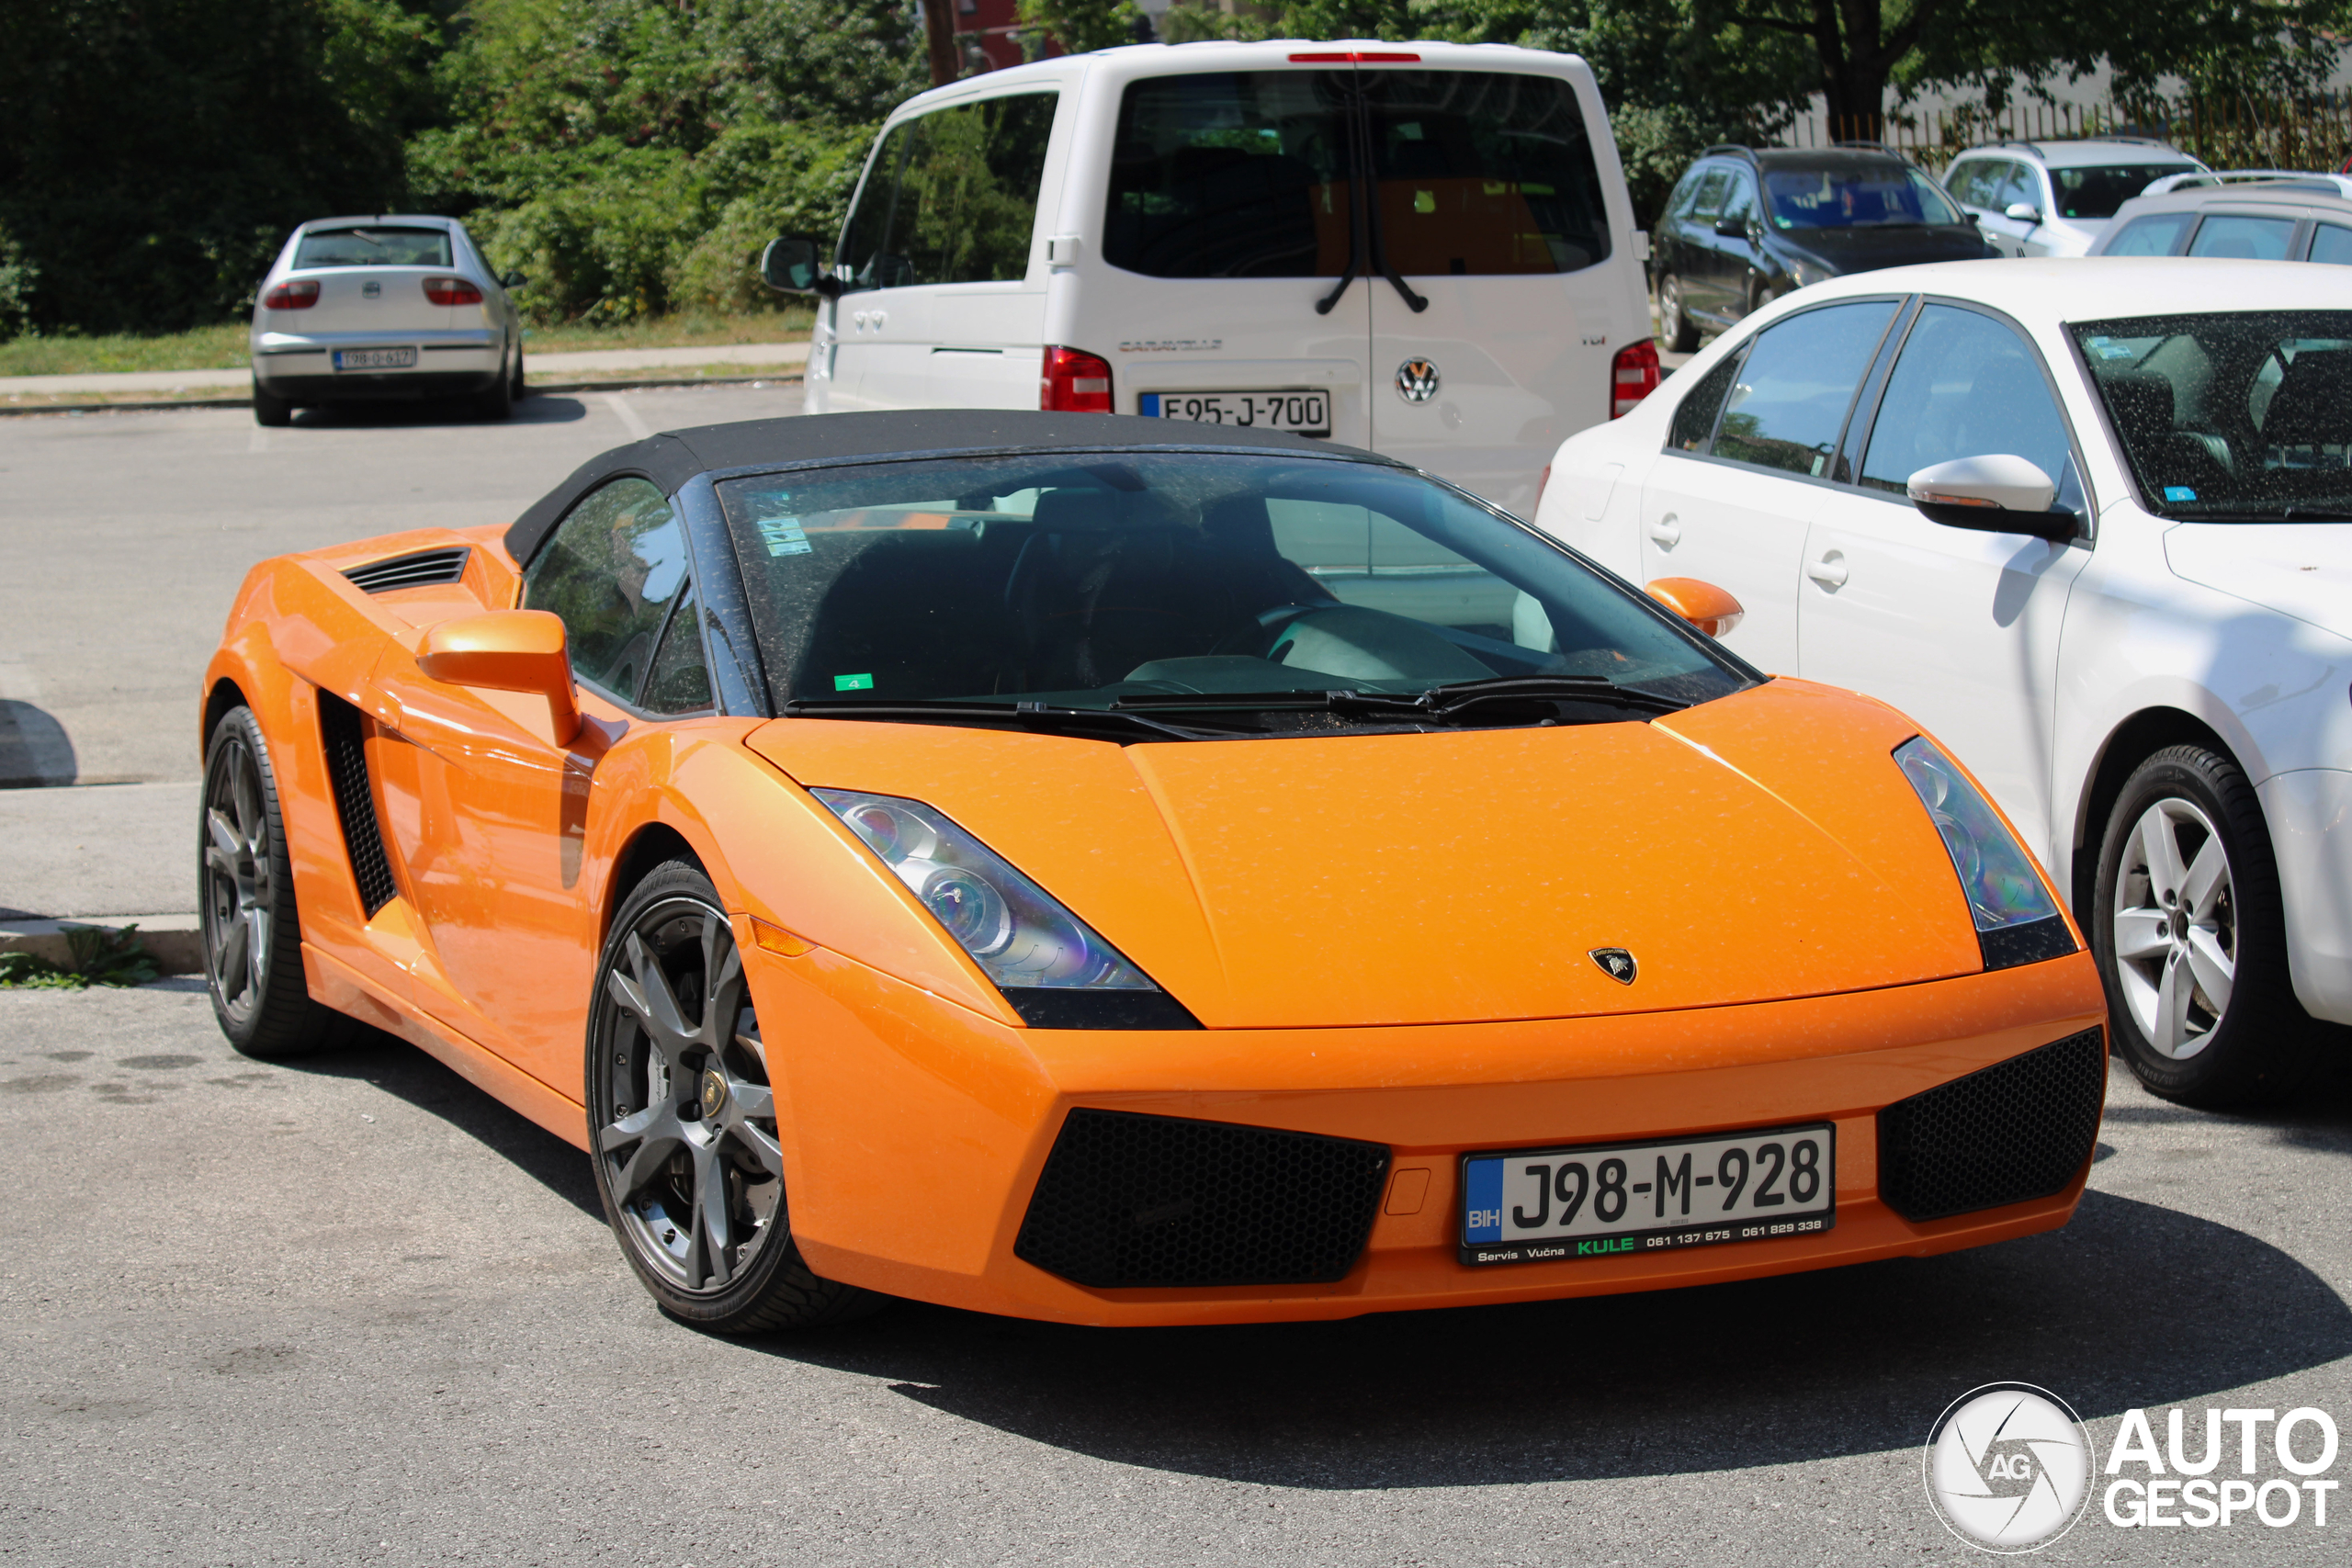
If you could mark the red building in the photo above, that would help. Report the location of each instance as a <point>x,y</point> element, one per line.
<point>989,36</point>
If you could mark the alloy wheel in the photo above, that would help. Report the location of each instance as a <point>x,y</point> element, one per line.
<point>2175,923</point>
<point>238,894</point>
<point>686,1131</point>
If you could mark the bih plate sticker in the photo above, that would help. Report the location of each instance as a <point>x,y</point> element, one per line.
<point>1604,1199</point>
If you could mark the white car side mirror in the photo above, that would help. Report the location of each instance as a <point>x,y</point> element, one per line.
<point>1998,493</point>
<point>2022,212</point>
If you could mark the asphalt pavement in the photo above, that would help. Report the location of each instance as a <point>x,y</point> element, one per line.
<point>351,1310</point>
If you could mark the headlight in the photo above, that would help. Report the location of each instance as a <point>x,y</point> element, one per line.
<point>1015,931</point>
<point>2016,920</point>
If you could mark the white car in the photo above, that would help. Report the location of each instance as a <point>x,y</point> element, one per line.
<point>387,307</point>
<point>2053,198</point>
<point>2091,522</point>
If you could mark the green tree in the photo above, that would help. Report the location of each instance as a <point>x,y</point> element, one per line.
<point>1079,26</point>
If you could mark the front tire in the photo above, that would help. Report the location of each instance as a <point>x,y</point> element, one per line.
<point>1674,324</point>
<point>683,1120</point>
<point>253,936</point>
<point>498,402</point>
<point>2191,936</point>
<point>515,388</point>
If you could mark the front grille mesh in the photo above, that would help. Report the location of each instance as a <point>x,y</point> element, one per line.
<point>417,570</point>
<point>355,802</point>
<point>2015,1129</point>
<point>1162,1200</point>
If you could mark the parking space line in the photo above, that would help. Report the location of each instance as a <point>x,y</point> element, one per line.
<point>637,429</point>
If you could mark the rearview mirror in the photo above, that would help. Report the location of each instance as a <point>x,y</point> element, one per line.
<point>1711,609</point>
<point>789,264</point>
<point>506,650</point>
<point>2022,212</point>
<point>1998,493</point>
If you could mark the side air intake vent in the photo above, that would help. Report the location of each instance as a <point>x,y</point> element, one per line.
<point>418,570</point>
<point>344,736</point>
<point>1160,1201</point>
<point>2015,1129</point>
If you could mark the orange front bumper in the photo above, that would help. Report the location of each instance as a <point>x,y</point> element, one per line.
<point>915,1130</point>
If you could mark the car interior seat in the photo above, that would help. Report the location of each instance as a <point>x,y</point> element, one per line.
<point>2142,401</point>
<point>2311,409</point>
<point>905,614</point>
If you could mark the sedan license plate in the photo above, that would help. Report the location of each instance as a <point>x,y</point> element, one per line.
<point>1602,1200</point>
<point>375,359</point>
<point>1301,413</point>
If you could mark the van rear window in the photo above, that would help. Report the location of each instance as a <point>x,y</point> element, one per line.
<point>1254,173</point>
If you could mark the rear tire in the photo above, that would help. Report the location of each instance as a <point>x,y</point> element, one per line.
<point>499,402</point>
<point>516,389</point>
<point>253,935</point>
<point>273,411</point>
<point>683,1122</point>
<point>1674,324</point>
<point>2191,935</point>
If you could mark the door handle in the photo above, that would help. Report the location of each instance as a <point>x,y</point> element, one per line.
<point>1829,570</point>
<point>1666,532</point>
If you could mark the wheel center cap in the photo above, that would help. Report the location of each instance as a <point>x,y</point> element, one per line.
<point>2181,925</point>
<point>714,1094</point>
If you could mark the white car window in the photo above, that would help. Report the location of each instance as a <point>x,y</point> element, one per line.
<point>1790,404</point>
<point>2243,236</point>
<point>1966,386</point>
<point>2156,235</point>
<point>2332,244</point>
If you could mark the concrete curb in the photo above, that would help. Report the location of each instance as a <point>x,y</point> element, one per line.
<point>173,940</point>
<point>650,383</point>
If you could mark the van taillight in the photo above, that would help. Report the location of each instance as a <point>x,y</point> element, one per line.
<point>1633,376</point>
<point>1075,382</point>
<point>297,294</point>
<point>451,292</point>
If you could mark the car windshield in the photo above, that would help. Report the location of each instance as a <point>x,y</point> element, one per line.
<point>2237,416</point>
<point>1125,580</point>
<point>2097,191</point>
<point>373,247</point>
<point>1851,197</point>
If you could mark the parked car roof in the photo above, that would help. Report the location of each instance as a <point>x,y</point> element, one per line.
<point>2047,288</point>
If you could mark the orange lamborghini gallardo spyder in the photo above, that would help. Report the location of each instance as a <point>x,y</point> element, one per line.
<point>1128,872</point>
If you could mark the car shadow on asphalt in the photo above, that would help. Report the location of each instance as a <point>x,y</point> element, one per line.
<point>539,408</point>
<point>2134,1305</point>
<point>407,1073</point>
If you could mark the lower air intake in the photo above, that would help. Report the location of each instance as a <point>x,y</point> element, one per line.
<point>1159,1201</point>
<point>2019,1129</point>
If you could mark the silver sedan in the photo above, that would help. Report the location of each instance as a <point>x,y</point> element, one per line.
<point>384,307</point>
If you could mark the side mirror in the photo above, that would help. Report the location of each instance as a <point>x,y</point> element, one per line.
<point>2022,212</point>
<point>2000,493</point>
<point>506,650</point>
<point>1731,227</point>
<point>512,279</point>
<point>789,264</point>
<point>1711,609</point>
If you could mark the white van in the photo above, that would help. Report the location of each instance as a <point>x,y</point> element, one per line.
<point>1174,230</point>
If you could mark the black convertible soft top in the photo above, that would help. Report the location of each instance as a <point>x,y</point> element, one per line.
<point>673,457</point>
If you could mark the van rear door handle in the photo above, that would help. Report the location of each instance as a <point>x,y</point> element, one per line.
<point>1829,570</point>
<point>1666,533</point>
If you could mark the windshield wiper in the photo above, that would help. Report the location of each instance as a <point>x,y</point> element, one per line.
<point>1106,723</point>
<point>1441,704</point>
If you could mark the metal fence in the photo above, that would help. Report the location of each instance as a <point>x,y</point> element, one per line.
<point>2228,133</point>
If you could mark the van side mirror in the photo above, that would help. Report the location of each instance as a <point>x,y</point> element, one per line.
<point>1999,493</point>
<point>789,264</point>
<point>506,650</point>
<point>2022,212</point>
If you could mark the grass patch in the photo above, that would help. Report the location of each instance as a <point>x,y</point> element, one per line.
<point>101,956</point>
<point>223,347</point>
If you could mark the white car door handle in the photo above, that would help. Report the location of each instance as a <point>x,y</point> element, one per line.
<point>1666,533</point>
<point>1829,570</point>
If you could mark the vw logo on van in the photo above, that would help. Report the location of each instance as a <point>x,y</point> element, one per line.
<point>1416,380</point>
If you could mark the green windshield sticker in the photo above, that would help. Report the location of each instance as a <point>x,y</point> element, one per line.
<point>851,683</point>
<point>783,535</point>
